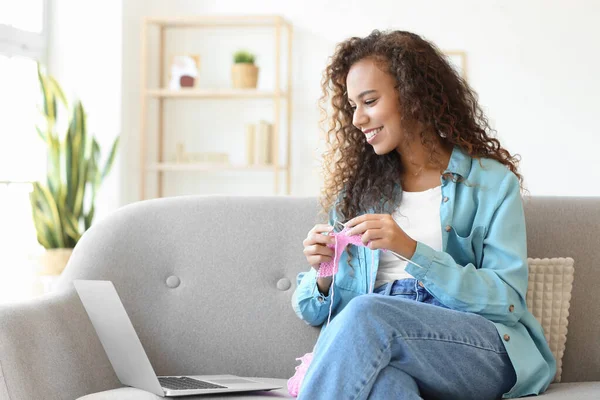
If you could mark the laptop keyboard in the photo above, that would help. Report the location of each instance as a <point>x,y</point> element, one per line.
<point>185,383</point>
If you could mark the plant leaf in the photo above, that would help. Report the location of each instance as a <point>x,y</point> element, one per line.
<point>111,158</point>
<point>53,164</point>
<point>41,134</point>
<point>57,91</point>
<point>89,218</point>
<point>43,202</point>
<point>74,142</point>
<point>46,94</point>
<point>41,222</point>
<point>95,177</point>
<point>71,226</point>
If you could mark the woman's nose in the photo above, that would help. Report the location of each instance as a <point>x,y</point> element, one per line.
<point>359,118</point>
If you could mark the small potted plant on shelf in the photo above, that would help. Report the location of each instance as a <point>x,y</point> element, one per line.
<point>63,205</point>
<point>244,73</point>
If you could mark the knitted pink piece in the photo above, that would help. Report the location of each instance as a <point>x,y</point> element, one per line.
<point>341,241</point>
<point>295,381</point>
<point>331,268</point>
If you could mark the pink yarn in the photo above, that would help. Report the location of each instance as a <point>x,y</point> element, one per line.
<point>331,268</point>
<point>295,381</point>
<point>341,241</point>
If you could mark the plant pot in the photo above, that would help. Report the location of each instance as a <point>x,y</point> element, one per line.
<point>53,261</point>
<point>244,76</point>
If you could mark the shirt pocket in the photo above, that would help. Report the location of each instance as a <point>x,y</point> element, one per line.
<point>466,250</point>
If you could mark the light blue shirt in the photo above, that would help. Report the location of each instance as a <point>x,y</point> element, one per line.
<point>481,269</point>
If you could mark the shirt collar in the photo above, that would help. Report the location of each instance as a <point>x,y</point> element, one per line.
<point>460,162</point>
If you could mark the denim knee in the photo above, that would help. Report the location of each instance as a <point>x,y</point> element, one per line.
<point>362,306</point>
<point>361,317</point>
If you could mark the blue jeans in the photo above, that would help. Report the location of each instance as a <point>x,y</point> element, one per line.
<point>401,343</point>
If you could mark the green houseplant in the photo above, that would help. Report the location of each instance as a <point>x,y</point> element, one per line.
<point>243,57</point>
<point>63,205</point>
<point>244,73</point>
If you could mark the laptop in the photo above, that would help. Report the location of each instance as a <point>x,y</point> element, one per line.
<point>128,358</point>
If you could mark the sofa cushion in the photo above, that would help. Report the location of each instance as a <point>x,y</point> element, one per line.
<point>128,393</point>
<point>573,391</point>
<point>549,298</point>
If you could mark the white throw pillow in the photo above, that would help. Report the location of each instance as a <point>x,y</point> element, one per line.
<point>549,298</point>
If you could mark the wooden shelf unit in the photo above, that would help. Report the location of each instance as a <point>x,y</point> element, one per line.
<point>162,94</point>
<point>196,166</point>
<point>214,94</point>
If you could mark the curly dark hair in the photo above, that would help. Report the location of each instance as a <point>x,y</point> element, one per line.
<point>429,91</point>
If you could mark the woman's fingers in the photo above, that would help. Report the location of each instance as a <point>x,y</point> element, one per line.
<point>376,244</point>
<point>363,227</point>
<point>316,261</point>
<point>321,228</point>
<point>373,235</point>
<point>315,236</point>
<point>363,218</point>
<point>318,250</point>
<point>315,245</point>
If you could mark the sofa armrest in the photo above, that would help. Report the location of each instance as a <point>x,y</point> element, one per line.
<point>49,350</point>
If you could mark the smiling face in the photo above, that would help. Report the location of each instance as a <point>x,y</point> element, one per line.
<point>374,99</point>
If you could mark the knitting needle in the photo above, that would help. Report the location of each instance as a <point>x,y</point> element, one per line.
<point>405,259</point>
<point>393,252</point>
<point>338,222</point>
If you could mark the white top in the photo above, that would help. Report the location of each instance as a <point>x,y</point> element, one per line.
<point>419,216</point>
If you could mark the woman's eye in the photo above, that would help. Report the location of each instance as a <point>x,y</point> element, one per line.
<point>367,102</point>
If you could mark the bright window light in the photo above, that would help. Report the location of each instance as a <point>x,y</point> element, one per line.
<point>23,42</point>
<point>22,151</point>
<point>27,15</point>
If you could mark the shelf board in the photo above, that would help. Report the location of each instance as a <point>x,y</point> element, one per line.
<point>218,21</point>
<point>209,167</point>
<point>213,93</point>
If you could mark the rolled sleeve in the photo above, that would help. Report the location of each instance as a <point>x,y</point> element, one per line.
<point>309,304</point>
<point>423,258</point>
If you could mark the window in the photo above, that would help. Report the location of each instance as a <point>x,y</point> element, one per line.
<point>23,42</point>
<point>23,28</point>
<point>22,153</point>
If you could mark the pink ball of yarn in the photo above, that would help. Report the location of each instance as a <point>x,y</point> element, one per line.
<point>295,381</point>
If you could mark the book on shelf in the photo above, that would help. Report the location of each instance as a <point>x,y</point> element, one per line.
<point>184,157</point>
<point>250,143</point>
<point>259,143</point>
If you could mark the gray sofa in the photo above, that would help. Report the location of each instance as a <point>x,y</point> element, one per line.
<point>207,283</point>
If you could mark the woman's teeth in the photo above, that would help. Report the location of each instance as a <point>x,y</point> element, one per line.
<point>374,132</point>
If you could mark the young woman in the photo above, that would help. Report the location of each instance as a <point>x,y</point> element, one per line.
<point>414,170</point>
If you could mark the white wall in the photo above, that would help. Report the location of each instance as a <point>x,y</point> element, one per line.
<point>534,64</point>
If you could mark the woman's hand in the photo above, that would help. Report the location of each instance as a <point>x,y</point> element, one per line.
<point>380,231</point>
<point>315,245</point>
<point>317,252</point>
